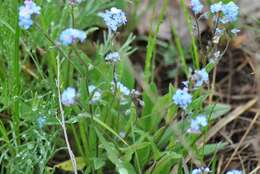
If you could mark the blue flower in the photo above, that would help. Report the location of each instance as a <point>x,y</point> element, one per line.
<point>25,23</point>
<point>196,124</point>
<point>32,6</point>
<point>41,121</point>
<point>123,89</point>
<point>25,13</point>
<point>200,77</point>
<point>234,172</point>
<point>114,18</point>
<point>122,134</point>
<point>95,94</point>
<point>182,98</point>
<point>217,7</point>
<point>196,6</point>
<point>71,35</point>
<point>200,170</point>
<point>112,57</point>
<point>230,11</point>
<point>68,96</point>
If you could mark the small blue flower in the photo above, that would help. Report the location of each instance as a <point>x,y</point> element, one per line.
<point>196,124</point>
<point>68,96</point>
<point>25,23</point>
<point>112,57</point>
<point>114,18</point>
<point>217,7</point>
<point>200,170</point>
<point>122,134</point>
<point>200,77</point>
<point>25,13</point>
<point>41,121</point>
<point>234,172</point>
<point>196,6</point>
<point>71,35</point>
<point>123,89</point>
<point>182,98</point>
<point>230,11</point>
<point>95,94</point>
<point>33,7</point>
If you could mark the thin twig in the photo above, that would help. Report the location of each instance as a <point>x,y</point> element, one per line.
<point>242,139</point>
<point>63,124</point>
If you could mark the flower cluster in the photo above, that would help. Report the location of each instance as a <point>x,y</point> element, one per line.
<point>201,170</point>
<point>123,89</point>
<point>196,124</point>
<point>113,57</point>
<point>196,6</point>
<point>68,96</point>
<point>41,121</point>
<point>26,12</point>
<point>230,11</point>
<point>200,77</point>
<point>182,98</point>
<point>234,172</point>
<point>71,35</point>
<point>114,18</point>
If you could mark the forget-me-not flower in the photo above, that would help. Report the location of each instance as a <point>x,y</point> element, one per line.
<point>94,93</point>
<point>200,170</point>
<point>234,172</point>
<point>71,35</point>
<point>114,18</point>
<point>41,121</point>
<point>68,96</point>
<point>217,7</point>
<point>25,14</point>
<point>200,77</point>
<point>230,12</point>
<point>123,90</point>
<point>182,98</point>
<point>112,57</point>
<point>197,123</point>
<point>196,6</point>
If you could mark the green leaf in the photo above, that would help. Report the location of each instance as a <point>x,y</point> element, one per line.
<point>99,163</point>
<point>67,165</point>
<point>212,148</point>
<point>114,155</point>
<point>216,110</point>
<point>197,103</point>
<point>112,152</point>
<point>165,163</point>
<point>125,75</point>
